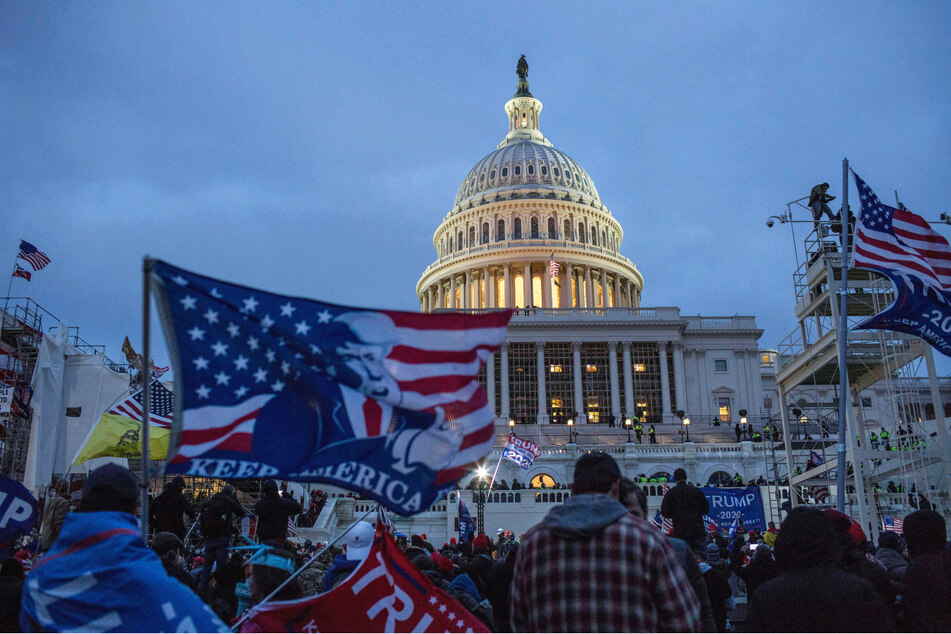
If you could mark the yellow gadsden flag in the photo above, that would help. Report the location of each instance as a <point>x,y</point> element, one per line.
<point>118,432</point>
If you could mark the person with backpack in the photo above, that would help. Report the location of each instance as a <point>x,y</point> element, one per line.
<point>273,511</point>
<point>216,522</point>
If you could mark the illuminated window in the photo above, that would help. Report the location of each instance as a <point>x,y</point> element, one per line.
<point>541,479</point>
<point>642,404</point>
<point>519,292</point>
<point>482,294</point>
<point>723,407</point>
<point>536,290</point>
<point>557,402</point>
<point>500,292</point>
<point>591,368</point>
<point>555,294</point>
<point>594,410</point>
<point>555,368</point>
<point>640,367</point>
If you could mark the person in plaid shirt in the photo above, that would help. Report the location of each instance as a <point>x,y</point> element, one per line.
<point>590,566</point>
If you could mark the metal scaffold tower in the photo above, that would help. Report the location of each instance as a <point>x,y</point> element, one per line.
<point>887,450</point>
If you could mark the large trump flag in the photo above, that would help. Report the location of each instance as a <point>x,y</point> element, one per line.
<point>382,402</point>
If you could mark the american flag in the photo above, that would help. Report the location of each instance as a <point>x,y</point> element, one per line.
<point>157,372</point>
<point>19,271</point>
<point>553,266</point>
<point>276,380</point>
<point>665,524</point>
<point>291,528</point>
<point>160,406</point>
<point>820,493</point>
<point>31,254</point>
<point>899,242</point>
<point>893,524</point>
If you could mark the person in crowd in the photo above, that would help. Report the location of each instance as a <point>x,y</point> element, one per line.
<point>273,512</point>
<point>171,550</point>
<point>270,568</point>
<point>686,505</point>
<point>11,594</point>
<point>99,575</point>
<point>761,567</point>
<point>216,522</point>
<point>927,597</point>
<point>718,588</point>
<point>889,554</point>
<point>591,566</point>
<point>498,586</point>
<point>853,543</point>
<point>480,563</point>
<point>813,593</point>
<point>359,541</point>
<point>168,510</point>
<point>57,507</point>
<point>635,499</point>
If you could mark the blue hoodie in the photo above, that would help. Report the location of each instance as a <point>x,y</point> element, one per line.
<point>100,576</point>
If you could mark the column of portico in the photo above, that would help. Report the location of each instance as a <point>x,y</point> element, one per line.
<point>576,367</point>
<point>756,381</point>
<point>604,289</point>
<point>564,291</point>
<point>615,385</point>
<point>546,288</point>
<point>509,295</point>
<point>680,388</point>
<point>492,288</point>
<point>527,284</point>
<point>504,379</point>
<point>579,287</point>
<point>742,392</point>
<point>485,288</point>
<point>668,416</point>
<point>490,384</point>
<point>617,291</point>
<point>630,294</point>
<point>542,417</point>
<point>452,291</point>
<point>440,294</point>
<point>432,298</point>
<point>705,405</point>
<point>467,300</point>
<point>628,380</point>
<point>589,289</point>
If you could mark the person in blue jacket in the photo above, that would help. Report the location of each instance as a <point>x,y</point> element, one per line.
<point>100,575</point>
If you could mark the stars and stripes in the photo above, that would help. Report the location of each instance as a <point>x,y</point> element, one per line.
<point>31,254</point>
<point>820,493</point>
<point>893,524</point>
<point>274,381</point>
<point>553,267</point>
<point>899,242</point>
<point>160,406</point>
<point>292,528</point>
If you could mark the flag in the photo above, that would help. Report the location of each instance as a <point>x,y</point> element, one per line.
<point>521,452</point>
<point>734,526</point>
<point>249,524</point>
<point>820,493</point>
<point>157,372</point>
<point>665,524</point>
<point>893,524</point>
<point>385,593</point>
<point>18,513</point>
<point>553,269</point>
<point>903,246</point>
<point>31,254</point>
<point>385,403</point>
<point>467,525</point>
<point>291,528</point>
<point>816,458</point>
<point>117,432</point>
<point>133,357</point>
<point>19,271</point>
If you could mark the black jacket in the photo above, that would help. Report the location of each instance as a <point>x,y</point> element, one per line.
<point>686,505</point>
<point>272,512</point>
<point>232,509</point>
<point>167,510</point>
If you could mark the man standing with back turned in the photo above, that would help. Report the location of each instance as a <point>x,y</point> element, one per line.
<point>590,566</point>
<point>686,505</point>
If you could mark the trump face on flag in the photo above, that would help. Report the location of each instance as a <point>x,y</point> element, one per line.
<point>382,402</point>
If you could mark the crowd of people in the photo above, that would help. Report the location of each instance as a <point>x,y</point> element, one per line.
<point>594,563</point>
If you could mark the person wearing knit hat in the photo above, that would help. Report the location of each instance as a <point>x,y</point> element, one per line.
<point>852,542</point>
<point>927,593</point>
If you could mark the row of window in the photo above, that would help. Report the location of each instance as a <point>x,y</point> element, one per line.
<point>587,235</point>
<point>574,179</point>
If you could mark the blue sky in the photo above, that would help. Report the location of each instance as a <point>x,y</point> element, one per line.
<point>313,148</point>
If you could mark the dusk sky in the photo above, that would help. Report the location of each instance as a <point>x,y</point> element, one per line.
<point>312,148</point>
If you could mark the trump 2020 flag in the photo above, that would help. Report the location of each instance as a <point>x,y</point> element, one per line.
<point>521,452</point>
<point>467,525</point>
<point>382,402</point>
<point>904,247</point>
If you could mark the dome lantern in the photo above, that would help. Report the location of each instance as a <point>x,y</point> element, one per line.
<point>523,111</point>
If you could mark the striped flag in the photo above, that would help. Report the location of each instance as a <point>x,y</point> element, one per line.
<point>31,254</point>
<point>291,528</point>
<point>820,493</point>
<point>893,524</point>
<point>19,271</point>
<point>553,268</point>
<point>386,403</point>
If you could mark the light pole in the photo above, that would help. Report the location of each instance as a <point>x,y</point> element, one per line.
<point>627,423</point>
<point>481,474</point>
<point>511,425</point>
<point>686,423</point>
<point>572,435</point>
<point>743,423</point>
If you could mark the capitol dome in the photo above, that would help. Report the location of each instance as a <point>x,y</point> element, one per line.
<point>526,163</point>
<point>528,229</point>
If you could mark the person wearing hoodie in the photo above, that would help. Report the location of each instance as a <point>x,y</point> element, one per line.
<point>889,555</point>
<point>463,589</point>
<point>591,566</point>
<point>359,541</point>
<point>167,511</point>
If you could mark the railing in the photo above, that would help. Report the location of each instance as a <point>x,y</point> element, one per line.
<point>511,243</point>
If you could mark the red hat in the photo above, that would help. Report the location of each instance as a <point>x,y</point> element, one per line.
<point>481,541</point>
<point>423,535</point>
<point>452,540</point>
<point>713,527</point>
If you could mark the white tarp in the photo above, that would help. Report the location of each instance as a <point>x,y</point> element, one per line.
<point>63,377</point>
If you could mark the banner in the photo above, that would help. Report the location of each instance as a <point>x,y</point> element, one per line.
<point>382,402</point>
<point>521,452</point>
<point>467,525</point>
<point>6,398</point>
<point>727,505</point>
<point>386,593</point>
<point>18,513</point>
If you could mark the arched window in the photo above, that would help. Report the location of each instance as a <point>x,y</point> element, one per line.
<point>485,233</point>
<point>719,478</point>
<point>594,236</point>
<point>472,236</point>
<point>531,169</point>
<point>459,243</point>
<point>535,227</point>
<point>581,232</point>
<point>567,230</point>
<point>551,229</point>
<point>536,290</point>
<point>505,171</point>
<point>604,240</point>
<point>450,244</point>
<point>518,169</point>
<point>500,231</point>
<point>500,292</point>
<point>542,478</point>
<point>518,229</point>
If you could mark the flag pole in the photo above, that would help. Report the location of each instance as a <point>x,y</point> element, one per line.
<point>496,469</point>
<point>843,334</point>
<point>146,335</point>
<point>234,628</point>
